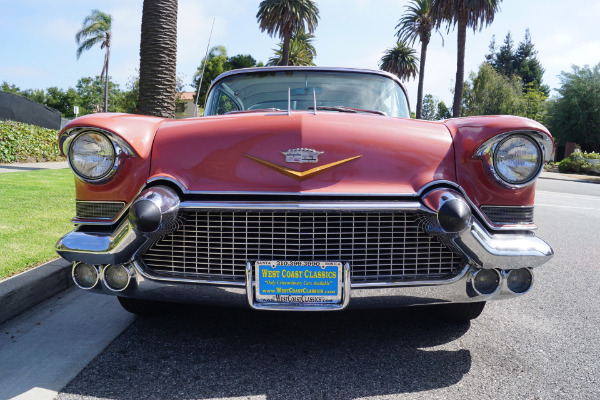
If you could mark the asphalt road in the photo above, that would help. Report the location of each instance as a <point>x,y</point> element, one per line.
<point>544,345</point>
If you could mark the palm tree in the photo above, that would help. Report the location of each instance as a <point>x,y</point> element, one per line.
<point>299,54</point>
<point>400,61</point>
<point>307,41</point>
<point>96,29</point>
<point>464,13</point>
<point>417,23</point>
<point>284,17</point>
<point>302,51</point>
<point>158,56</point>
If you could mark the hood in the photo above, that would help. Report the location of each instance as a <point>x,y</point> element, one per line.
<point>356,153</point>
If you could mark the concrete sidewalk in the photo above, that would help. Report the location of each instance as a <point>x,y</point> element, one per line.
<point>19,167</point>
<point>21,292</point>
<point>570,177</point>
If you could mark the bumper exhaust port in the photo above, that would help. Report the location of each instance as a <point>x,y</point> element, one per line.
<point>85,275</point>
<point>486,281</point>
<point>519,281</point>
<point>116,277</point>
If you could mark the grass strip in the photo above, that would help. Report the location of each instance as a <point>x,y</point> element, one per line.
<point>36,208</point>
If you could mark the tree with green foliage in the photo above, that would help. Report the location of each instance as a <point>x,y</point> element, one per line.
<point>284,17</point>
<point>463,14</point>
<point>241,61</point>
<point>96,29</point>
<point>158,58</point>
<point>489,93</point>
<point>91,92</point>
<point>521,61</point>
<point>417,23</point>
<point>575,114</point>
<point>401,61</point>
<point>9,88</point>
<point>63,100</point>
<point>434,109</point>
<point>218,62</point>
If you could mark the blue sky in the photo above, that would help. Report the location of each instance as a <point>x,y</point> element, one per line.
<point>37,49</point>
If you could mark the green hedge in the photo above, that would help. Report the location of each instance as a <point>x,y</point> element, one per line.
<point>27,143</point>
<point>578,162</point>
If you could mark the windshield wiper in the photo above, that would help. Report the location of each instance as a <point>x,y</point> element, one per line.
<point>253,111</point>
<point>347,109</point>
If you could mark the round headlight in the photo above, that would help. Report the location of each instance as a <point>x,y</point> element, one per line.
<point>92,155</point>
<point>517,159</point>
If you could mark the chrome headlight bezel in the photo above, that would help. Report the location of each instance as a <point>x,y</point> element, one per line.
<point>121,150</point>
<point>488,153</point>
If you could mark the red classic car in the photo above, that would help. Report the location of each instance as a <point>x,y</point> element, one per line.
<point>305,188</point>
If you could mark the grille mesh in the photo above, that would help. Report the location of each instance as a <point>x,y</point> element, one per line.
<point>98,209</point>
<point>509,215</point>
<point>380,247</point>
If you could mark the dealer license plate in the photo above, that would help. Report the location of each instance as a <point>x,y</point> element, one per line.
<point>298,282</point>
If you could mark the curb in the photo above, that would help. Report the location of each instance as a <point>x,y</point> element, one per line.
<point>27,289</point>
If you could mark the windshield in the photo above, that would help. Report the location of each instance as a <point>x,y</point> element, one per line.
<point>335,91</point>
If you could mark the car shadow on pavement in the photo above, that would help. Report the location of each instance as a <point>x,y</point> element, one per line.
<point>219,352</point>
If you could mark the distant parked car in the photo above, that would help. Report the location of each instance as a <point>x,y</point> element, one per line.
<point>305,188</point>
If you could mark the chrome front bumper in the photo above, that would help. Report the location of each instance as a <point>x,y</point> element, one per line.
<point>458,290</point>
<point>480,249</point>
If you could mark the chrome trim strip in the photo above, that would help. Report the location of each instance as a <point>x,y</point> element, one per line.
<point>258,193</point>
<point>312,206</point>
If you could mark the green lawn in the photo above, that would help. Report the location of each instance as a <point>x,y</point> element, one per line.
<point>36,208</point>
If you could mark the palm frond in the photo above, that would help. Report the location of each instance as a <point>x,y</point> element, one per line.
<point>479,13</point>
<point>88,44</point>
<point>401,61</point>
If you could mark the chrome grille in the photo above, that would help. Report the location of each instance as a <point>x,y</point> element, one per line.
<point>380,247</point>
<point>98,209</point>
<point>509,215</point>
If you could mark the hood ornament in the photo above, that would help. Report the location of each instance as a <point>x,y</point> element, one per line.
<point>302,155</point>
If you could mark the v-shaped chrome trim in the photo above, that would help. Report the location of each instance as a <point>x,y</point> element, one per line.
<point>299,175</point>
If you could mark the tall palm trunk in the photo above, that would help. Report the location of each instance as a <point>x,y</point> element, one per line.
<point>106,79</point>
<point>460,64</point>
<point>285,56</point>
<point>419,113</point>
<point>158,56</point>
